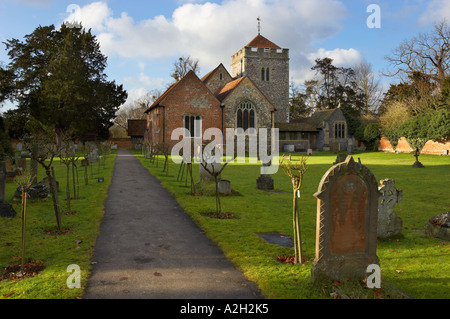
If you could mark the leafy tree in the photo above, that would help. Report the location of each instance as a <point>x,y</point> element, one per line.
<point>298,107</point>
<point>433,125</point>
<point>59,80</point>
<point>6,150</point>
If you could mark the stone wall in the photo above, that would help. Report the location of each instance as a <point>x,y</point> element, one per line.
<point>252,60</point>
<point>404,147</point>
<point>246,91</point>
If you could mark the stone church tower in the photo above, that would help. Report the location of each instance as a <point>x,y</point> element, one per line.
<point>267,65</point>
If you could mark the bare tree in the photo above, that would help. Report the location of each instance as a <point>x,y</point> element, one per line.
<point>369,85</point>
<point>183,66</point>
<point>427,54</point>
<point>135,109</point>
<point>295,170</point>
<point>48,149</point>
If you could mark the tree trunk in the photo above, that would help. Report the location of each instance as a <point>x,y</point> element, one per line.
<point>54,194</point>
<point>24,224</point>
<point>68,210</point>
<point>296,225</point>
<point>75,194</point>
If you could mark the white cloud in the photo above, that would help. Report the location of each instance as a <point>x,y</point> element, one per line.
<point>341,57</point>
<point>436,11</point>
<point>213,32</point>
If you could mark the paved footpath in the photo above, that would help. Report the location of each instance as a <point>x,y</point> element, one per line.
<point>149,247</point>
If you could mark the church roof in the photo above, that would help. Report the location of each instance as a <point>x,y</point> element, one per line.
<point>261,42</point>
<point>227,89</point>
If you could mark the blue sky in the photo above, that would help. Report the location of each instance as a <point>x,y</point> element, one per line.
<point>143,39</point>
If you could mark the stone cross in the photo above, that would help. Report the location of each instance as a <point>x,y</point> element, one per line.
<point>389,223</point>
<point>347,212</point>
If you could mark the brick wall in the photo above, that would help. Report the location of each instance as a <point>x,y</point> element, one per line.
<point>189,97</point>
<point>404,147</point>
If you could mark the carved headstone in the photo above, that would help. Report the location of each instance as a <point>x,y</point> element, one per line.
<point>347,209</point>
<point>389,224</point>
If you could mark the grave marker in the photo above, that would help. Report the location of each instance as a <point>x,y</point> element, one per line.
<point>347,212</point>
<point>389,224</point>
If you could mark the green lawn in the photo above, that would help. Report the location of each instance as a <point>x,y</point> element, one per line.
<point>415,264</point>
<point>56,251</point>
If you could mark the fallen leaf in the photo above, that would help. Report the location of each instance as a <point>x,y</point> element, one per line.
<point>157,274</point>
<point>399,271</point>
<point>124,278</point>
<point>9,294</point>
<point>336,283</point>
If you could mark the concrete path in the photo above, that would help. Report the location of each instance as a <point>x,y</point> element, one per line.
<point>150,248</point>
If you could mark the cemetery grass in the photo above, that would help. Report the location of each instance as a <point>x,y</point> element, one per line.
<point>45,246</point>
<point>413,263</point>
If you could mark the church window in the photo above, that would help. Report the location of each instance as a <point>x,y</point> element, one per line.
<point>339,130</point>
<point>267,75</point>
<point>193,123</point>
<point>246,116</point>
<point>220,76</point>
<point>263,74</point>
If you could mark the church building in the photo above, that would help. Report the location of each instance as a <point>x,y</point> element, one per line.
<point>254,95</point>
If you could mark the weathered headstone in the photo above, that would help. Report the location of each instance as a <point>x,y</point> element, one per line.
<point>224,187</point>
<point>389,224</point>
<point>336,147</point>
<point>439,226</point>
<point>341,157</point>
<point>93,155</point>
<point>347,212</point>
<point>264,181</point>
<point>350,146</point>
<point>6,210</point>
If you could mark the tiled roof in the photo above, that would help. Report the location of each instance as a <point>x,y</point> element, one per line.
<point>159,100</point>
<point>303,126</point>
<point>227,89</point>
<point>260,42</point>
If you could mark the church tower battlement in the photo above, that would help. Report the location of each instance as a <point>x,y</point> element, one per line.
<point>267,65</point>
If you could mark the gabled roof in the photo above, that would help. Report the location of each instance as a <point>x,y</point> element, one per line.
<point>261,42</point>
<point>318,117</point>
<point>210,74</point>
<point>225,92</point>
<point>163,96</point>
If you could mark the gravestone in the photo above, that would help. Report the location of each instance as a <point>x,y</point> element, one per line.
<point>336,147</point>
<point>417,164</point>
<point>264,181</point>
<point>224,187</point>
<point>347,212</point>
<point>439,226</point>
<point>389,224</point>
<point>93,155</point>
<point>350,146</point>
<point>341,157</point>
<point>6,210</point>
